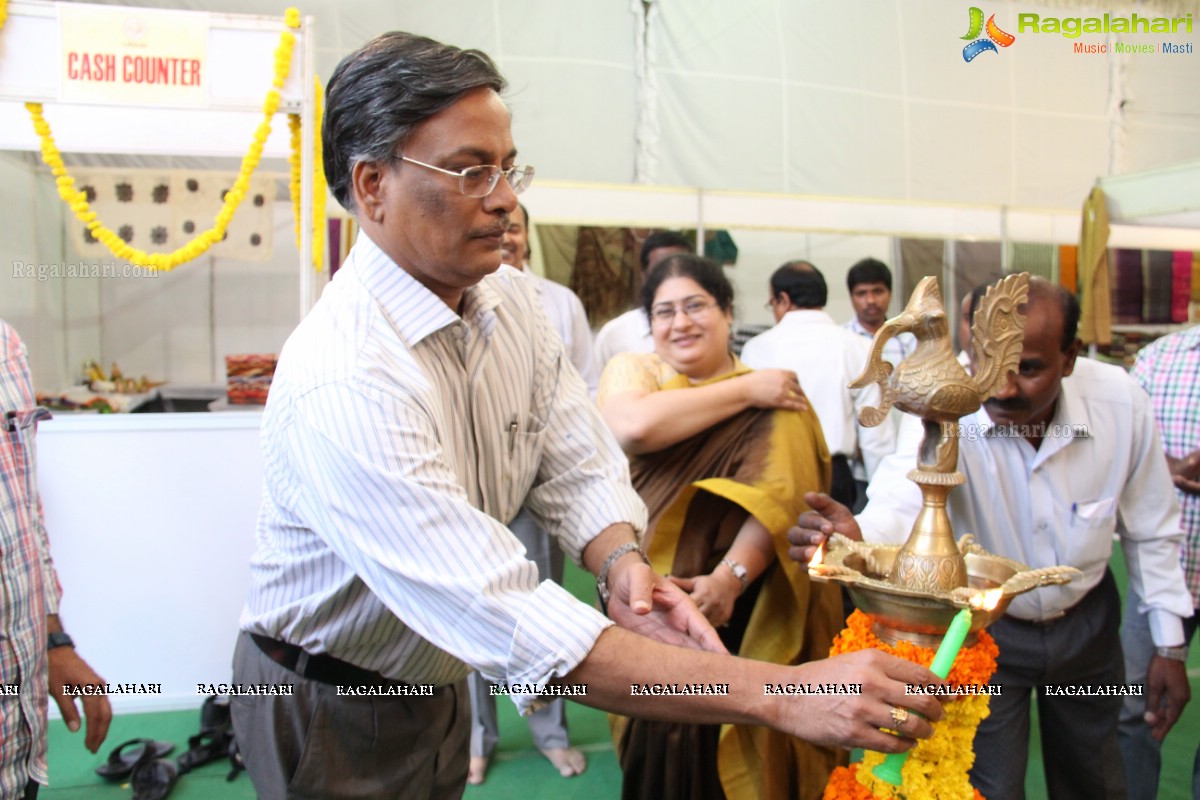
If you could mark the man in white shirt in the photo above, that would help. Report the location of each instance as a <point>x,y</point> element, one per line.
<point>826,358</point>
<point>1056,463</point>
<point>630,332</point>
<point>417,407</point>
<point>547,725</point>
<point>563,307</point>
<point>870,285</point>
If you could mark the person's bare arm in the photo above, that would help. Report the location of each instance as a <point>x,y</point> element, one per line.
<point>647,421</point>
<point>716,593</point>
<point>621,661</point>
<point>67,668</point>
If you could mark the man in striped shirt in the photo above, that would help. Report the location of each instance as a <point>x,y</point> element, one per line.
<point>418,406</point>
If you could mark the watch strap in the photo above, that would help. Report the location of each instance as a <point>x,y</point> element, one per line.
<point>602,577</point>
<point>58,639</point>
<point>738,570</point>
<point>1174,653</point>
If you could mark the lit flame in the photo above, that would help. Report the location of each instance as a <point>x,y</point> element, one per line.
<point>818,556</point>
<point>987,600</point>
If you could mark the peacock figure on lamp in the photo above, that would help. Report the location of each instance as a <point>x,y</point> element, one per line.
<point>913,591</point>
<point>912,594</point>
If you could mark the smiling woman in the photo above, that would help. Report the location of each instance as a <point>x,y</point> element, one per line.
<point>722,457</point>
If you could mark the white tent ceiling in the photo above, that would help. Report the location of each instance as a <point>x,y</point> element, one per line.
<point>861,98</point>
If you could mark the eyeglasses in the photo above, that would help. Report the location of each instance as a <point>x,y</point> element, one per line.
<point>665,314</point>
<point>482,180</point>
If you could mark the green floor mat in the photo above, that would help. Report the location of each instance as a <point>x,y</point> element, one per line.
<point>518,770</point>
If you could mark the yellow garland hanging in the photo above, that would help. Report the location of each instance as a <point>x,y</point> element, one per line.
<point>3,12</point>
<point>77,200</point>
<point>320,188</point>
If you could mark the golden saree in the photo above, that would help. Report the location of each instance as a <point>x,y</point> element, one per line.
<point>699,492</point>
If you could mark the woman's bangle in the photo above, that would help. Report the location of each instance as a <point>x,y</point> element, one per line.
<point>602,577</point>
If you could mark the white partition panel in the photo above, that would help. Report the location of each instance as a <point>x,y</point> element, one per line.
<point>151,521</point>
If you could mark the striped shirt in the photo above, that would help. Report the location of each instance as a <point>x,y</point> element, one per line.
<point>399,438</point>
<point>1169,370</point>
<point>29,587</point>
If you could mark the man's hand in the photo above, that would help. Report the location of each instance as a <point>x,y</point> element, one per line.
<point>1167,692</point>
<point>827,517</point>
<point>649,604</point>
<point>66,667</point>
<point>849,720</point>
<point>1186,472</point>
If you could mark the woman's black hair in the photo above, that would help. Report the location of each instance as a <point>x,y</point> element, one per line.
<point>704,271</point>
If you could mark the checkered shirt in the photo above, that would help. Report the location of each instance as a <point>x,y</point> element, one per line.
<point>1169,370</point>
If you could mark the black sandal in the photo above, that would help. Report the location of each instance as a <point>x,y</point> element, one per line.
<point>127,755</point>
<point>153,779</point>
<point>212,742</point>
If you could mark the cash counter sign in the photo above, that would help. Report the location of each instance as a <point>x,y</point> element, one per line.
<point>132,56</point>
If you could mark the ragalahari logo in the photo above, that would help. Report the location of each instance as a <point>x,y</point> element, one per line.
<point>995,36</point>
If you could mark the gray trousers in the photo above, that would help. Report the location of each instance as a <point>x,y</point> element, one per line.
<point>319,745</point>
<point>1079,734</point>
<point>547,726</point>
<point>1143,755</point>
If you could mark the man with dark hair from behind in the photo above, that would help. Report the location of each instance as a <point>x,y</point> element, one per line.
<point>417,407</point>
<point>630,332</point>
<point>966,318</point>
<point>826,358</point>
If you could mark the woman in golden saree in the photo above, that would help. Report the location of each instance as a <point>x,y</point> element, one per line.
<point>722,456</point>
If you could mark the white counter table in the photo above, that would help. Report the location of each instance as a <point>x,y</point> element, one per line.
<point>151,520</point>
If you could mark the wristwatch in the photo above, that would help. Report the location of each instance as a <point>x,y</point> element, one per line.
<point>1173,653</point>
<point>58,639</point>
<point>602,578</point>
<point>738,571</point>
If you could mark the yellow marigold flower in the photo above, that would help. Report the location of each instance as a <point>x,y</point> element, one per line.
<point>77,200</point>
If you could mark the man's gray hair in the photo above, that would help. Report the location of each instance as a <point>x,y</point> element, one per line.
<point>381,92</point>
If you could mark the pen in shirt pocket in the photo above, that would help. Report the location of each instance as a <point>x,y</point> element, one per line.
<point>512,435</point>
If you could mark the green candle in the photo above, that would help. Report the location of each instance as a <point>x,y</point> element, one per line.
<point>952,642</point>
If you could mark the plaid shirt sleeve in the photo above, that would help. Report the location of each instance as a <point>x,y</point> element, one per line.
<point>1169,371</point>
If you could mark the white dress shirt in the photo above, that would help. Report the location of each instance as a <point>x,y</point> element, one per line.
<point>827,358</point>
<point>398,440</point>
<point>895,350</point>
<point>628,333</point>
<point>1101,471</point>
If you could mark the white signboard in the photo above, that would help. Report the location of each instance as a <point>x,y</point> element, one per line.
<point>113,55</point>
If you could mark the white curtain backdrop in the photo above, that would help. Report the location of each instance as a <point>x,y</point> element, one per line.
<point>861,98</point>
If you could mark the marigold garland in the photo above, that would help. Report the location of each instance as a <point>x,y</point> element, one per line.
<point>77,200</point>
<point>937,768</point>
<point>3,12</point>
<point>320,189</point>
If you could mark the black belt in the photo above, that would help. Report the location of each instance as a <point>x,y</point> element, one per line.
<point>322,668</point>
<point>1042,623</point>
